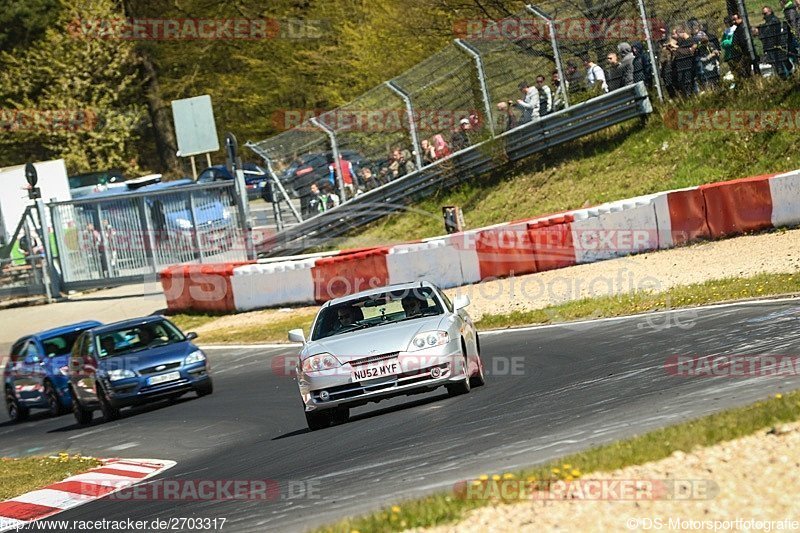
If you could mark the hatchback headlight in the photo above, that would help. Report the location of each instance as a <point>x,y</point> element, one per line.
<point>120,373</point>
<point>321,361</point>
<point>194,357</point>
<point>429,339</point>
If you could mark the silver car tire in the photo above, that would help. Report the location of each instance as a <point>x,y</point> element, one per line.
<point>462,387</point>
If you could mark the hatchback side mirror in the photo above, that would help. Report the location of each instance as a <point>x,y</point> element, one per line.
<point>297,335</point>
<point>461,301</point>
<point>191,336</point>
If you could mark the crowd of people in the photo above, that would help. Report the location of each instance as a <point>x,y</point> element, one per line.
<point>689,58</point>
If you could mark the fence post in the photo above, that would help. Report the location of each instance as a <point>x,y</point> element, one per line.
<point>148,234</point>
<point>337,164</point>
<point>268,162</point>
<point>198,250</point>
<point>412,125</point>
<point>751,48</point>
<point>650,48</point>
<point>551,27</point>
<point>481,79</point>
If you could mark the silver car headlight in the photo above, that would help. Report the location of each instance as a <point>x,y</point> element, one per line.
<point>194,357</point>
<point>429,339</point>
<point>120,373</point>
<point>321,361</point>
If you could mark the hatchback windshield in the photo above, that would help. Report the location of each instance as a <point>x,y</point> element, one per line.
<point>137,338</point>
<point>376,310</point>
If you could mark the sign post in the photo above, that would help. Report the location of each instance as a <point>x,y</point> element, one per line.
<point>51,285</point>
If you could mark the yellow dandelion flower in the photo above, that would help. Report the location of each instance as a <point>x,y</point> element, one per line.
<point>779,396</point>
<point>575,472</point>
<point>495,477</point>
<point>508,476</point>
<point>483,477</point>
<point>556,470</point>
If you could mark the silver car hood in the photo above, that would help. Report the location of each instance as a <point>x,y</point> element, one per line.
<point>372,341</point>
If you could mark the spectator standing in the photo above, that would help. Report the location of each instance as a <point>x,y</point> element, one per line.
<point>348,175</point>
<point>792,17</point>
<point>313,203</point>
<point>708,56</point>
<point>684,63</point>
<point>428,152</point>
<point>775,42</point>
<point>529,102</point>
<point>613,72</point>
<point>440,146</point>
<point>626,60</point>
<point>507,119</point>
<point>642,67</point>
<point>575,79</point>
<point>545,96</point>
<point>595,77</point>
<point>328,198</point>
<point>740,54</point>
<point>460,138</point>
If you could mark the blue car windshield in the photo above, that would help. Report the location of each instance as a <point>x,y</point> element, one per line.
<point>60,344</point>
<point>376,310</point>
<point>137,338</point>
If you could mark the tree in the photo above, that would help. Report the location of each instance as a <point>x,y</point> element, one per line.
<point>73,95</point>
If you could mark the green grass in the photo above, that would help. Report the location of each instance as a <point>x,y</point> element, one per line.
<point>708,292</point>
<point>18,476</point>
<point>271,330</point>
<point>451,506</point>
<point>620,162</point>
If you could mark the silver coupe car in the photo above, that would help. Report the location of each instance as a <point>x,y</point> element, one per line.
<point>397,340</point>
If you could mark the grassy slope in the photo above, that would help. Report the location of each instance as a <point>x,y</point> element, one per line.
<point>620,162</point>
<point>18,476</point>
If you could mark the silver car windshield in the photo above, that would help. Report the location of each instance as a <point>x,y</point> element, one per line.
<point>377,310</point>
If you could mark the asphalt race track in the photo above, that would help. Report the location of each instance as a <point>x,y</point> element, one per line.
<point>572,387</point>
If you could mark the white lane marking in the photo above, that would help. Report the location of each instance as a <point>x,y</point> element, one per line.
<point>640,315</point>
<point>124,446</point>
<point>92,432</point>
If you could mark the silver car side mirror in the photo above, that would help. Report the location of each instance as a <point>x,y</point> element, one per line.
<point>460,302</point>
<point>297,335</point>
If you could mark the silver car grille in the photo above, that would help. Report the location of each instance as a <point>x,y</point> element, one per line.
<point>373,359</point>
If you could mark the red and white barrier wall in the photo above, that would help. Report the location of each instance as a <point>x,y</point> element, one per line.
<point>615,229</point>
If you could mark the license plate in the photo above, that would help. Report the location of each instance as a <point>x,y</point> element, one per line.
<point>376,370</point>
<point>163,378</point>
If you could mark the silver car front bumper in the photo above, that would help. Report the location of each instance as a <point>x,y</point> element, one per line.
<point>417,374</point>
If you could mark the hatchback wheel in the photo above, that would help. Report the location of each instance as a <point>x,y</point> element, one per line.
<point>82,415</point>
<point>110,412</point>
<point>17,412</point>
<point>55,407</point>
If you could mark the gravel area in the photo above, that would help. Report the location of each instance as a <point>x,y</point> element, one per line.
<point>753,478</point>
<point>774,252</point>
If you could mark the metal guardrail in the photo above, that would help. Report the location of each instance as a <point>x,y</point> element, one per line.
<point>552,130</point>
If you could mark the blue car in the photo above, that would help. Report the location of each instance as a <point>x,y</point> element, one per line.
<point>134,362</point>
<point>36,374</point>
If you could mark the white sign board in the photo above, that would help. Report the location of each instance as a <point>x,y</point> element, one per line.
<point>194,126</point>
<point>14,191</point>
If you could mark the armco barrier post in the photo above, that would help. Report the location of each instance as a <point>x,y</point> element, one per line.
<point>487,103</point>
<point>335,149</point>
<point>551,27</point>
<point>412,125</point>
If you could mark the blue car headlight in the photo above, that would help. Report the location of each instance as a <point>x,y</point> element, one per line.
<point>428,339</point>
<point>120,373</point>
<point>196,356</point>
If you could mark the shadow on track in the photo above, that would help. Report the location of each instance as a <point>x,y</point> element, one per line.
<point>126,413</point>
<point>370,414</point>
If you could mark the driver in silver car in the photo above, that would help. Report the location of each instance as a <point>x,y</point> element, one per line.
<point>346,318</point>
<point>412,306</point>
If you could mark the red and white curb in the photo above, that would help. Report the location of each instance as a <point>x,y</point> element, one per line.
<point>114,475</point>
